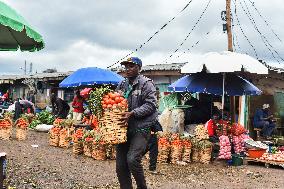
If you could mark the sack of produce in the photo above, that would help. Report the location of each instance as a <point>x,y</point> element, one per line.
<point>88,144</point>
<point>225,147</point>
<point>99,150</point>
<point>5,128</point>
<point>164,148</point>
<point>237,129</point>
<point>201,132</point>
<point>186,150</point>
<point>176,149</point>
<point>54,136</point>
<point>205,151</point>
<point>77,140</point>
<point>43,127</point>
<point>21,128</point>
<point>64,138</point>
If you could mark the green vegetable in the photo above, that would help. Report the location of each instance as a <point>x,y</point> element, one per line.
<point>34,123</point>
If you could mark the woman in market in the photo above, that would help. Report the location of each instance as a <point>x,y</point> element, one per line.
<point>60,108</point>
<point>78,108</point>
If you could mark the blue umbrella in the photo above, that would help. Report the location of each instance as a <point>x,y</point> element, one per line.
<point>91,76</point>
<point>213,83</point>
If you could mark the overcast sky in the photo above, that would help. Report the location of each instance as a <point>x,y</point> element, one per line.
<point>84,33</point>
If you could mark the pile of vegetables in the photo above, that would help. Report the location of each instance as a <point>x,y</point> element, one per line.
<point>5,123</point>
<point>95,100</point>
<point>78,135</point>
<point>239,143</point>
<point>223,129</point>
<point>44,117</point>
<point>237,129</point>
<point>277,157</point>
<point>201,132</point>
<point>163,148</point>
<point>225,148</point>
<point>114,100</point>
<point>22,123</point>
<point>176,148</point>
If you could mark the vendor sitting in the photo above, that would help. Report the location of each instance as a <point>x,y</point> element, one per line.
<point>264,121</point>
<point>212,127</point>
<point>90,120</point>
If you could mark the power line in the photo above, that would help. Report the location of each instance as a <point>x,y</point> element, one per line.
<point>196,23</point>
<point>252,3</point>
<point>194,45</point>
<point>251,19</point>
<point>264,39</point>
<point>163,27</point>
<point>238,24</point>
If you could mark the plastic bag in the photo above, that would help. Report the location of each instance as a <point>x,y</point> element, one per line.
<point>43,127</point>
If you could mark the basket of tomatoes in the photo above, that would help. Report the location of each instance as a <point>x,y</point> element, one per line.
<point>113,130</point>
<point>5,128</point>
<point>21,128</point>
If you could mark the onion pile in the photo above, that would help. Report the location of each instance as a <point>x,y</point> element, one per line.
<point>201,132</point>
<point>239,143</point>
<point>225,148</point>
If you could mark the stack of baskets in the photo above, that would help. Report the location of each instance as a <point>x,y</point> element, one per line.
<point>112,128</point>
<point>176,149</point>
<point>77,139</point>
<point>65,137</point>
<point>186,151</point>
<point>88,147</point>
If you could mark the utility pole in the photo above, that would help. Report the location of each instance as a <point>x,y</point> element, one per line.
<point>230,48</point>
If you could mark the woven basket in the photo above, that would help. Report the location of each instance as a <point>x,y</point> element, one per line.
<point>195,155</point>
<point>99,151</point>
<point>64,138</point>
<point>21,134</point>
<point>176,154</point>
<point>88,148</point>
<point>111,127</point>
<point>164,152</point>
<point>6,133</point>
<point>77,148</point>
<point>205,155</point>
<point>186,154</point>
<point>111,151</point>
<point>53,139</point>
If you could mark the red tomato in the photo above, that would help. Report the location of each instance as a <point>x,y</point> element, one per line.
<point>114,106</point>
<point>102,102</point>
<point>106,96</point>
<point>121,98</point>
<point>104,106</point>
<point>109,106</point>
<point>117,99</point>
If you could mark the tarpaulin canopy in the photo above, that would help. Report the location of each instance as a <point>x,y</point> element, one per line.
<point>212,83</point>
<point>91,76</point>
<point>15,32</point>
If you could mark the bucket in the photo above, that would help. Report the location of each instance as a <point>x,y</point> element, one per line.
<point>237,160</point>
<point>256,153</point>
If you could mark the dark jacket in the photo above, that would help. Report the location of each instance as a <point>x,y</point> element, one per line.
<point>61,108</point>
<point>142,102</point>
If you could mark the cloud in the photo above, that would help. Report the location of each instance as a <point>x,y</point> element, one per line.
<point>98,33</point>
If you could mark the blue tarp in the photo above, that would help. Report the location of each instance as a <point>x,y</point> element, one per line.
<point>212,83</point>
<point>91,76</point>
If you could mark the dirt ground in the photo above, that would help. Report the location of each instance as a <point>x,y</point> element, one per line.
<point>47,167</point>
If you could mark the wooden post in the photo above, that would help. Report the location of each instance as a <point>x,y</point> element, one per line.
<point>230,48</point>
<point>229,25</point>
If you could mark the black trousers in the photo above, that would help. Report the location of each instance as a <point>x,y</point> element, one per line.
<point>128,160</point>
<point>153,152</point>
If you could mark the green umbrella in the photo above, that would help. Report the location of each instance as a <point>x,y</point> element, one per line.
<point>16,33</point>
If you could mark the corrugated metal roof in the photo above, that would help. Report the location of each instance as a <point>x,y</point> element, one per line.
<point>164,67</point>
<point>37,75</point>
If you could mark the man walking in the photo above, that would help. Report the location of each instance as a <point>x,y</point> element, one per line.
<point>142,112</point>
